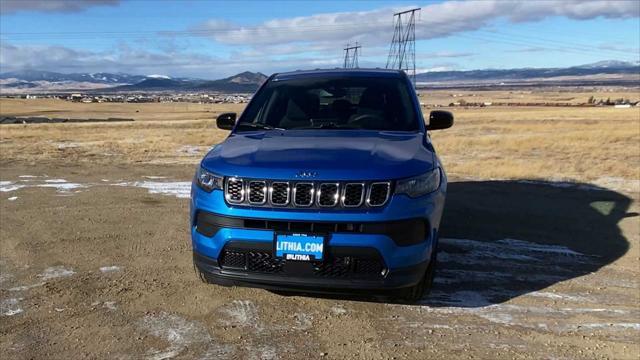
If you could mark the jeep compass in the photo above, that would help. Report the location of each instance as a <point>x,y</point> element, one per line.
<point>328,182</point>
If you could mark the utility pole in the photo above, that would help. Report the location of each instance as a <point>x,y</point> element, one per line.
<point>402,53</point>
<point>351,56</point>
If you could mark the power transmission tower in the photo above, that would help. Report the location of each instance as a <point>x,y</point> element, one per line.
<point>402,53</point>
<point>351,56</point>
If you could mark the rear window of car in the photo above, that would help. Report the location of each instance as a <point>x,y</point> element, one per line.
<point>347,103</point>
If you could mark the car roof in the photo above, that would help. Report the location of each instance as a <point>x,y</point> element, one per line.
<point>301,74</point>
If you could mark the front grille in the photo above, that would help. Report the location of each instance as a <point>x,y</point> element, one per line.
<point>328,195</point>
<point>257,192</point>
<point>378,194</point>
<point>353,195</point>
<point>262,261</point>
<point>335,266</point>
<point>307,194</point>
<point>234,259</point>
<point>280,193</point>
<point>235,190</point>
<point>303,194</point>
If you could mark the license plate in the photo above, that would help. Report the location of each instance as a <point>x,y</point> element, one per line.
<point>299,247</point>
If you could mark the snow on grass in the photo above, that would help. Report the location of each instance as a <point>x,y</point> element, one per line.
<point>26,287</point>
<point>241,313</point>
<point>179,189</point>
<point>6,186</point>
<point>55,272</point>
<point>109,269</point>
<point>10,307</point>
<point>179,332</point>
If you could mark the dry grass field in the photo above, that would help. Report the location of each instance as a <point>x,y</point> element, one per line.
<point>599,145</point>
<point>96,260</point>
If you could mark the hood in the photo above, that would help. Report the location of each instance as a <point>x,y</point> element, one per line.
<point>328,155</point>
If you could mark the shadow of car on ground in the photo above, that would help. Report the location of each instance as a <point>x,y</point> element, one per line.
<point>503,239</point>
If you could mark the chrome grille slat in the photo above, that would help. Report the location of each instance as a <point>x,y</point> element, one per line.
<point>279,193</point>
<point>306,194</point>
<point>303,194</point>
<point>378,193</point>
<point>328,194</point>
<point>257,192</point>
<point>352,194</point>
<point>234,190</point>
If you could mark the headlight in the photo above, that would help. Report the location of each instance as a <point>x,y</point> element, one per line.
<point>420,185</point>
<point>208,181</point>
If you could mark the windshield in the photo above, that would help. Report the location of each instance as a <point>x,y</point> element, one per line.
<point>331,103</point>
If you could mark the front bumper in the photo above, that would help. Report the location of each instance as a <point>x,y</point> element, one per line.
<point>390,263</point>
<point>396,279</point>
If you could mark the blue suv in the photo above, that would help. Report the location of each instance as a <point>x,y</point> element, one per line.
<point>328,182</point>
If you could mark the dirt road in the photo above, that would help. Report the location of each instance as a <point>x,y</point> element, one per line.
<point>96,263</point>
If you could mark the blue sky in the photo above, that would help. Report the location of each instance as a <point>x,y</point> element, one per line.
<point>210,39</point>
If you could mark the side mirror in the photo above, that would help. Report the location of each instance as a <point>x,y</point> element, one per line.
<point>226,121</point>
<point>440,119</point>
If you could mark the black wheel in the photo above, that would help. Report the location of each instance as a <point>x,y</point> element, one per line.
<point>202,276</point>
<point>420,290</point>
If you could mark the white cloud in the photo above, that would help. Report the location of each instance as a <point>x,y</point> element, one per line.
<point>375,27</point>
<point>13,6</point>
<point>136,61</point>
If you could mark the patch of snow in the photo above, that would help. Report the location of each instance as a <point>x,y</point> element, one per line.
<point>111,305</point>
<point>158,76</point>
<point>241,313</point>
<point>556,296</point>
<point>109,269</point>
<point>179,332</point>
<point>27,176</point>
<point>302,321</point>
<point>180,189</point>
<point>6,186</point>
<point>26,287</point>
<point>622,326</point>
<point>56,272</point>
<point>62,186</point>
<point>153,177</point>
<point>10,307</point>
<point>338,310</point>
<point>62,146</point>
<point>190,150</point>
<point>13,198</point>
<point>56,181</point>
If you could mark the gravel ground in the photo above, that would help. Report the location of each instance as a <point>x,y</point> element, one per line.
<point>96,263</point>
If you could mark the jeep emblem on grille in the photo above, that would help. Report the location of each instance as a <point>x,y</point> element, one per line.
<point>306,174</point>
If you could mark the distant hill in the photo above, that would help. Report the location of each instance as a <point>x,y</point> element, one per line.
<point>245,82</point>
<point>97,78</point>
<point>27,81</point>
<point>610,67</point>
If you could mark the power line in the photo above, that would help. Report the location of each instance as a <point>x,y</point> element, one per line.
<point>489,36</point>
<point>351,56</point>
<point>402,52</point>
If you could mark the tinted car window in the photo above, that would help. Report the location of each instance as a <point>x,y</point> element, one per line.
<point>332,103</point>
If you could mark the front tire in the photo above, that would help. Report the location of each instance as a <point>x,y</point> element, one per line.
<point>415,293</point>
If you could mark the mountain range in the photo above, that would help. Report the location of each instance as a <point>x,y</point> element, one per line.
<point>247,82</point>
<point>599,71</point>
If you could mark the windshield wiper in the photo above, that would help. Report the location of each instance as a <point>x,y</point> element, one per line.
<point>329,125</point>
<point>259,126</point>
